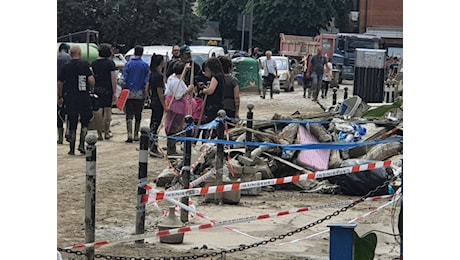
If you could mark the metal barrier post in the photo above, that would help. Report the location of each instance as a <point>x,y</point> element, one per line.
<point>90,194</point>
<point>220,154</point>
<point>143,157</point>
<point>341,245</point>
<point>400,218</point>
<point>389,91</point>
<point>345,93</point>
<point>186,168</point>
<point>334,96</point>
<point>249,125</point>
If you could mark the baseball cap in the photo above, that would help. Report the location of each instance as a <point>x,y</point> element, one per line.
<point>185,49</point>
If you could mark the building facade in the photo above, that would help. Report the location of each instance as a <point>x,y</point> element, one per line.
<point>385,19</point>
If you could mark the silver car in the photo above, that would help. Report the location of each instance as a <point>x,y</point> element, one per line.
<point>285,73</point>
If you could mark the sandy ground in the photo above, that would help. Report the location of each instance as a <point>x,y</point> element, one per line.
<point>117,176</point>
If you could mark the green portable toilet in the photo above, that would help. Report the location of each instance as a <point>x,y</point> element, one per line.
<point>247,71</point>
<point>92,47</point>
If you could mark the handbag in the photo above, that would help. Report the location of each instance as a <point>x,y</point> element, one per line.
<point>276,85</point>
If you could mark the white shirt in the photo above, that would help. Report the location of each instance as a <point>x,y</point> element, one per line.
<point>326,75</point>
<point>174,87</point>
<point>269,67</point>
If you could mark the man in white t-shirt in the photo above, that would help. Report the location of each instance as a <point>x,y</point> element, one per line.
<point>270,73</point>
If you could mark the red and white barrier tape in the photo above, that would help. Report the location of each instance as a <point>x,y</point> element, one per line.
<point>372,212</point>
<point>210,173</point>
<point>224,223</point>
<point>201,157</point>
<point>157,196</point>
<point>192,210</point>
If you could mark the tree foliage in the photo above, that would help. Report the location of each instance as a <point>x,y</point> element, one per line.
<point>130,22</point>
<point>272,17</point>
<point>147,22</point>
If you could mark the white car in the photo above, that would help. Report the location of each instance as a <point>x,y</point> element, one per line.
<point>164,50</point>
<point>286,76</point>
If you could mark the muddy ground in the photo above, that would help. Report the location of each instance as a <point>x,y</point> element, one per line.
<point>117,176</point>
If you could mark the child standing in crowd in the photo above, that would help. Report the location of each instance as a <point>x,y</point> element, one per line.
<point>327,77</point>
<point>177,105</point>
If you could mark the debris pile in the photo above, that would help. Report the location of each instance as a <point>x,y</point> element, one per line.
<point>270,160</point>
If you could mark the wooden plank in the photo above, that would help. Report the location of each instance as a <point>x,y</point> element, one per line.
<point>288,163</point>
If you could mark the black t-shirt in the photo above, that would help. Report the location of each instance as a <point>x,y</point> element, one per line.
<point>201,82</point>
<point>229,92</point>
<point>75,75</point>
<point>62,58</point>
<point>102,69</point>
<point>216,99</point>
<point>156,81</point>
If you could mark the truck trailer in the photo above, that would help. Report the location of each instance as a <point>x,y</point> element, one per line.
<point>343,49</point>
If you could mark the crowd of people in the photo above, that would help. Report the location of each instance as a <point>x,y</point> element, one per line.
<point>172,89</point>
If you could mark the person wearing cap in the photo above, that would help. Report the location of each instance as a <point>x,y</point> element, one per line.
<point>63,57</point>
<point>186,57</point>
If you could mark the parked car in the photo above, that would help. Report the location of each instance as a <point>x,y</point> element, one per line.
<point>200,53</point>
<point>164,50</point>
<point>285,73</point>
<point>119,60</point>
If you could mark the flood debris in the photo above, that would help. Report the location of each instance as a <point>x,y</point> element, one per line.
<point>245,163</point>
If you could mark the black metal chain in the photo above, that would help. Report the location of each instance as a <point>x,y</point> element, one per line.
<point>244,247</point>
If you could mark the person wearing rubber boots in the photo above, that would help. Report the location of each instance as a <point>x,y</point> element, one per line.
<point>106,86</point>
<point>136,75</point>
<point>63,57</point>
<point>78,80</point>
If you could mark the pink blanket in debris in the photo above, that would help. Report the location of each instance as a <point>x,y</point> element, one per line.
<point>316,159</point>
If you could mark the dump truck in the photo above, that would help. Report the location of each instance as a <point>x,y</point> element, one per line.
<point>342,47</point>
<point>297,46</point>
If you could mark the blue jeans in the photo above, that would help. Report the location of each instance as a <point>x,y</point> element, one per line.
<point>317,80</point>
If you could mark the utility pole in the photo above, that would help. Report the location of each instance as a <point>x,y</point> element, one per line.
<point>182,22</point>
<point>242,33</point>
<point>250,25</point>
